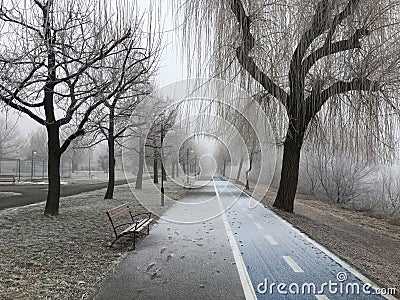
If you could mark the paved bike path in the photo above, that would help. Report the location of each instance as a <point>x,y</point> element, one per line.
<point>235,249</point>
<point>283,263</point>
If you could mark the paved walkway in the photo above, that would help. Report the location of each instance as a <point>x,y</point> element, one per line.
<point>236,249</point>
<point>34,193</point>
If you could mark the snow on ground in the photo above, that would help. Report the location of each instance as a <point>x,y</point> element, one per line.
<point>80,177</point>
<point>95,176</point>
<point>67,256</point>
<point>8,194</point>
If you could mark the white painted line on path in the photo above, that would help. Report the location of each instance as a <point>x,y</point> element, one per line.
<point>241,267</point>
<point>295,267</point>
<point>271,240</point>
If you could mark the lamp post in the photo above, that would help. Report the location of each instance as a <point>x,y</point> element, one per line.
<point>19,170</point>
<point>90,172</point>
<point>162,165</point>
<point>188,151</point>
<point>187,165</point>
<point>32,165</point>
<point>195,173</point>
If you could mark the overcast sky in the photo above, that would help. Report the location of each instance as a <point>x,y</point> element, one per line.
<point>171,66</point>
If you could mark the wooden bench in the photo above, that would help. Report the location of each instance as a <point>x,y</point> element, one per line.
<point>7,178</point>
<point>125,223</point>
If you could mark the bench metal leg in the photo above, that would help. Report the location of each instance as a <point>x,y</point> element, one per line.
<point>134,240</point>
<point>114,242</point>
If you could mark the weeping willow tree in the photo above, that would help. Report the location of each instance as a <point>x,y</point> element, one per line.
<point>316,67</point>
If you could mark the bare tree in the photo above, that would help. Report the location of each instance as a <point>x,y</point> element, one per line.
<point>131,77</point>
<point>389,192</point>
<point>309,169</point>
<point>342,179</point>
<point>162,123</point>
<point>36,142</point>
<point>75,155</point>
<point>11,141</point>
<point>306,58</point>
<point>48,53</point>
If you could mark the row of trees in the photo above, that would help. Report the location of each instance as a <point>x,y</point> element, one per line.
<point>339,179</point>
<point>74,67</point>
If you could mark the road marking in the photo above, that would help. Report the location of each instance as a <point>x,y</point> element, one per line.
<point>250,216</point>
<point>295,267</point>
<point>258,225</point>
<point>271,240</point>
<point>248,290</point>
<point>321,297</point>
<point>243,208</point>
<point>326,251</point>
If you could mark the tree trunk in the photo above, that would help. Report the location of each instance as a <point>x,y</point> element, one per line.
<point>111,169</point>
<point>177,168</point>
<point>247,187</point>
<point>74,161</point>
<point>1,157</point>
<point>139,177</point>
<point>111,157</point>
<point>53,171</point>
<point>155,167</point>
<point>290,172</point>
<point>239,170</point>
<point>173,169</point>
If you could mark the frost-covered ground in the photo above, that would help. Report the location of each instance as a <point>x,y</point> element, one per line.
<point>65,257</point>
<point>8,194</point>
<point>95,176</point>
<point>80,177</point>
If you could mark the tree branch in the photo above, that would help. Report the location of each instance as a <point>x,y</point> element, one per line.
<point>242,54</point>
<point>332,48</point>
<point>340,17</point>
<point>22,109</point>
<point>318,26</point>
<point>298,69</point>
<point>80,130</point>
<point>341,87</point>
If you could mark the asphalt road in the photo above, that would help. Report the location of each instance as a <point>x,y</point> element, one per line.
<point>218,243</point>
<point>283,263</point>
<point>37,192</point>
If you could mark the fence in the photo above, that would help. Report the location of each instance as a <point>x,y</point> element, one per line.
<point>36,169</point>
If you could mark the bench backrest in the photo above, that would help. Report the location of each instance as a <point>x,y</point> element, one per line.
<point>7,176</point>
<point>118,212</point>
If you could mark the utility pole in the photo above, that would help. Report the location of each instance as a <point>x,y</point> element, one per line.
<point>32,165</point>
<point>162,165</point>
<point>187,165</point>
<point>195,173</point>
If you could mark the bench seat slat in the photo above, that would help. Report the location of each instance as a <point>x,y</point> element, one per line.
<point>120,213</point>
<point>140,226</point>
<point>128,229</point>
<point>144,225</point>
<point>7,178</point>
